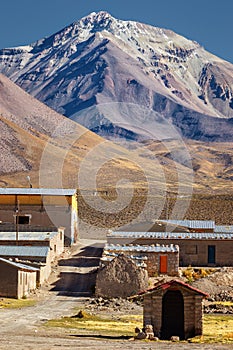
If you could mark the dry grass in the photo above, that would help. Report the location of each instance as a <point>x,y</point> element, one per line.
<point>217,328</point>
<point>7,303</point>
<point>124,325</point>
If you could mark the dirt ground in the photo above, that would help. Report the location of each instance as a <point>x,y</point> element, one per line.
<point>70,287</point>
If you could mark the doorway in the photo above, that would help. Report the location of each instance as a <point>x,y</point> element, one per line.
<point>172,315</point>
<point>211,254</point>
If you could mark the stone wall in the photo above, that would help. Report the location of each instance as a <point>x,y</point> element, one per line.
<point>193,311</point>
<point>153,263</point>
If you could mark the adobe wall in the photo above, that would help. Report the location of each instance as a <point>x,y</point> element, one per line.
<point>194,251</point>
<point>9,281</point>
<point>26,283</point>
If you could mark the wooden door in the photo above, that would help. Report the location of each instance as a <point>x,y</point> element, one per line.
<point>211,254</point>
<point>163,263</point>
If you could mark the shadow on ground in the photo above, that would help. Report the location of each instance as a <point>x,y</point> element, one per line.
<point>98,336</point>
<point>82,282</point>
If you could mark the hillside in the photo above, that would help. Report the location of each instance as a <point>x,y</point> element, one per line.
<point>39,142</point>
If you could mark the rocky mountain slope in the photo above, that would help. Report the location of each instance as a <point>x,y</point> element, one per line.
<point>37,141</point>
<point>100,60</point>
<point>120,185</point>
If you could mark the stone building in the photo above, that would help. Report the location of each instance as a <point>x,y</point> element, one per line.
<point>120,278</point>
<point>173,308</point>
<point>17,280</point>
<point>157,259</point>
<point>48,209</point>
<point>195,248</point>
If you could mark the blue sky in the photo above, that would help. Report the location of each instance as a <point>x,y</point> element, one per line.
<point>209,22</point>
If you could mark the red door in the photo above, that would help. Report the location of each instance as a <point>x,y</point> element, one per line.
<point>163,263</point>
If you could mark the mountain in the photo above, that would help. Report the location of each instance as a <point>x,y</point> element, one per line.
<point>101,60</point>
<point>117,186</point>
<point>38,142</point>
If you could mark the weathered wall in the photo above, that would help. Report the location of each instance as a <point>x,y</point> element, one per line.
<point>153,263</point>
<point>26,283</point>
<point>193,312</point>
<point>9,281</point>
<point>192,251</point>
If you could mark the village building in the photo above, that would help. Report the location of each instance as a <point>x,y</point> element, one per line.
<point>206,226</point>
<point>40,209</point>
<point>173,308</point>
<point>53,240</point>
<point>17,280</point>
<point>39,255</point>
<point>157,259</point>
<point>196,249</point>
<point>26,249</point>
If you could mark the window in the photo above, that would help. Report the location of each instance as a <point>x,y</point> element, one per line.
<point>23,219</point>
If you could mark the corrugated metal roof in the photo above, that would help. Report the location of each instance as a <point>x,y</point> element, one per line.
<point>141,248</point>
<point>19,265</point>
<point>171,235</point>
<point>209,224</point>
<point>223,229</point>
<point>26,251</point>
<point>38,191</point>
<point>27,236</point>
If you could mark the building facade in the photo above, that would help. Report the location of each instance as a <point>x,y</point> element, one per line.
<point>196,249</point>
<point>46,209</point>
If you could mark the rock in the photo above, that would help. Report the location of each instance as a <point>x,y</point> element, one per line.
<point>140,336</point>
<point>153,338</point>
<point>175,338</point>
<point>149,331</point>
<point>138,330</point>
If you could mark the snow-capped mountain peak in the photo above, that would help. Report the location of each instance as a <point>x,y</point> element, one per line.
<point>103,59</point>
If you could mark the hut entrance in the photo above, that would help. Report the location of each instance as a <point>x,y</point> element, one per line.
<point>172,315</point>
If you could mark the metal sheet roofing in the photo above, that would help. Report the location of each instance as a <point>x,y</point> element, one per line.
<point>27,236</point>
<point>223,229</point>
<point>171,235</point>
<point>26,251</point>
<point>38,191</point>
<point>19,265</point>
<point>192,223</point>
<point>141,248</point>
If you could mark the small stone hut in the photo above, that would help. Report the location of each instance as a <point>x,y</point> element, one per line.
<point>173,308</point>
<point>121,278</point>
